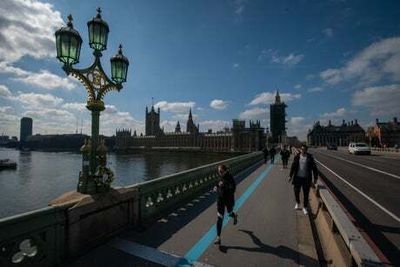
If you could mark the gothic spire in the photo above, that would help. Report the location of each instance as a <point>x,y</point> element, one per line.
<point>277,97</point>
<point>190,114</point>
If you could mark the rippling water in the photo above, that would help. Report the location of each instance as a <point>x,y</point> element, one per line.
<point>43,176</point>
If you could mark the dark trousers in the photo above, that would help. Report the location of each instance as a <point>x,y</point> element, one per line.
<point>222,203</point>
<point>272,158</point>
<point>300,182</point>
<point>285,162</point>
<point>265,158</point>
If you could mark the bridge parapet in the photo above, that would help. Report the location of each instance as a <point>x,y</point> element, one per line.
<point>74,223</point>
<point>160,195</point>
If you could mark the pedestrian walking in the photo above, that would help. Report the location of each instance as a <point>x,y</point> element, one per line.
<point>285,154</point>
<point>265,151</point>
<point>225,188</point>
<point>301,172</point>
<point>272,152</point>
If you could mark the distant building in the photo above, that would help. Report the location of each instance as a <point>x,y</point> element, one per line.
<point>339,135</point>
<point>190,126</point>
<point>55,142</point>
<point>238,139</point>
<point>293,141</point>
<point>278,120</point>
<point>385,134</point>
<point>153,122</point>
<point>178,128</point>
<point>26,128</point>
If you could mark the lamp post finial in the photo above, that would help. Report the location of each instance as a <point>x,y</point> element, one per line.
<point>70,19</point>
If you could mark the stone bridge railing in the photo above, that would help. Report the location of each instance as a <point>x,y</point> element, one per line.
<point>162,194</point>
<point>74,223</point>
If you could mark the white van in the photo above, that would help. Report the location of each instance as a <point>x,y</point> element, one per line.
<point>359,148</point>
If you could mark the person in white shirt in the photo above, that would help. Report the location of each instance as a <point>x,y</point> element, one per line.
<point>301,175</point>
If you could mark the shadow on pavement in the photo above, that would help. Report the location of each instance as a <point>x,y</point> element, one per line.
<point>280,251</point>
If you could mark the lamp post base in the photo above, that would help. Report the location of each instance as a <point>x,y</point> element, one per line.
<point>87,185</point>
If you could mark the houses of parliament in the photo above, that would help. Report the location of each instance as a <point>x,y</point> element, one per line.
<point>239,138</point>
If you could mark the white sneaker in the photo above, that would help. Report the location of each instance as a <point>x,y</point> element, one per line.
<point>297,206</point>
<point>305,211</point>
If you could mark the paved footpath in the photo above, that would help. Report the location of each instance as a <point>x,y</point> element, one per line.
<point>269,232</point>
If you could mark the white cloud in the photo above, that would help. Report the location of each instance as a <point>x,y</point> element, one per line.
<point>298,86</point>
<point>37,101</point>
<point>184,117</point>
<point>239,6</point>
<point>377,61</point>
<point>169,126</point>
<point>175,107</point>
<point>8,121</point>
<point>328,32</point>
<point>298,126</point>
<point>215,125</point>
<point>43,79</point>
<point>263,55</point>
<point>27,28</point>
<point>340,112</point>
<point>219,104</point>
<point>75,106</point>
<point>6,109</point>
<point>380,100</point>
<point>4,91</point>
<point>236,66</point>
<point>269,97</point>
<point>315,89</point>
<point>47,80</point>
<point>51,114</point>
<point>296,121</point>
<point>254,114</point>
<point>290,60</point>
<point>112,118</point>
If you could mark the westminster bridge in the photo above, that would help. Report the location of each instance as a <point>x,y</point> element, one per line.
<point>170,221</point>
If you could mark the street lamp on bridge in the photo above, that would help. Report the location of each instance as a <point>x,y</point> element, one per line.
<point>95,176</point>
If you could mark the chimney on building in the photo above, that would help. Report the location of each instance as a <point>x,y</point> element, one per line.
<point>377,121</point>
<point>356,122</point>
<point>343,122</point>
<point>351,123</point>
<point>329,123</point>
<point>395,120</point>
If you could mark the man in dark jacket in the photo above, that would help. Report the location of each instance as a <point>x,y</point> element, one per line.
<point>226,188</point>
<point>301,172</point>
<point>265,151</point>
<point>285,154</point>
<point>272,152</point>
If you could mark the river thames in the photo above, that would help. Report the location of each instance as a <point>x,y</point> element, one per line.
<point>43,176</point>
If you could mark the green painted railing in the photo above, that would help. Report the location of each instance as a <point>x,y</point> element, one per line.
<point>45,237</point>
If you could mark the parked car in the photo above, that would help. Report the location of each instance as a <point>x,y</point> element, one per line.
<point>359,148</point>
<point>331,146</point>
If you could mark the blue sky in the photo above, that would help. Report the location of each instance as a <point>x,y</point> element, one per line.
<point>330,60</point>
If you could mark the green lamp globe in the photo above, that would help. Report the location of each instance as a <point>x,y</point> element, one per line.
<point>98,32</point>
<point>119,67</point>
<point>68,44</point>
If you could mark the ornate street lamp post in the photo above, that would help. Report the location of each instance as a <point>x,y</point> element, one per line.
<point>96,178</point>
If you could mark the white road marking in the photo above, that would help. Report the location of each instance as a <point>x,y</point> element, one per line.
<point>148,253</point>
<point>360,192</point>
<point>364,166</point>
